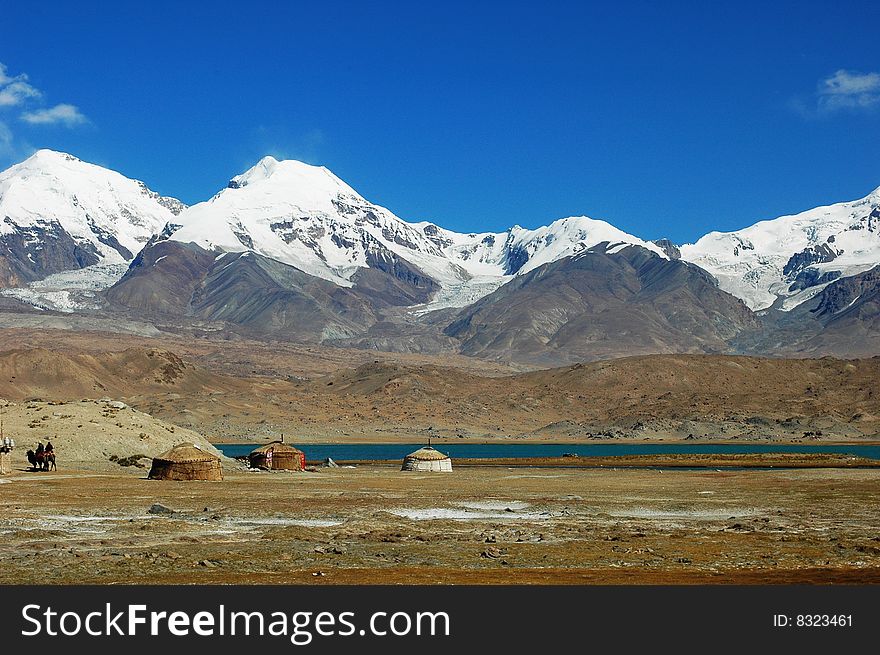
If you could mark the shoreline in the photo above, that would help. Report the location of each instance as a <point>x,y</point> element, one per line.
<point>537,441</point>
<point>697,461</point>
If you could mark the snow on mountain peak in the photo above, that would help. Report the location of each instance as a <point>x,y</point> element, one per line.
<point>68,228</point>
<point>262,170</point>
<point>789,259</point>
<point>92,204</point>
<point>300,181</point>
<point>569,236</point>
<point>45,154</point>
<point>49,162</point>
<point>307,217</point>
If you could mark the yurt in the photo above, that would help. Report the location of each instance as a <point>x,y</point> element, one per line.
<point>186,462</point>
<point>278,456</point>
<point>427,459</point>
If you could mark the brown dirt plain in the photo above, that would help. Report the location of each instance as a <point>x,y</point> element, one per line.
<point>813,521</point>
<point>374,524</point>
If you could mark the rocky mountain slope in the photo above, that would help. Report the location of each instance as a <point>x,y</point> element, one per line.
<point>290,250</point>
<point>599,304</point>
<point>842,319</point>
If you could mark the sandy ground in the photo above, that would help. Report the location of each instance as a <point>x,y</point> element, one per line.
<point>374,524</point>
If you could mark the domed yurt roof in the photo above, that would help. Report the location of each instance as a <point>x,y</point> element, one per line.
<point>275,447</point>
<point>427,453</point>
<point>427,459</point>
<point>186,452</point>
<point>186,462</point>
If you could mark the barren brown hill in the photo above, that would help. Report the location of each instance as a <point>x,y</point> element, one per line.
<point>646,397</point>
<point>233,355</point>
<point>55,375</point>
<point>719,387</point>
<point>649,396</point>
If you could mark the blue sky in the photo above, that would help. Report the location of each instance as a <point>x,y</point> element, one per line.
<point>667,119</point>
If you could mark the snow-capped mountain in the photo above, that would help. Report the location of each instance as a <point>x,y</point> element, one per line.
<point>306,217</point>
<point>493,259</point>
<point>59,214</point>
<point>290,250</point>
<point>788,260</point>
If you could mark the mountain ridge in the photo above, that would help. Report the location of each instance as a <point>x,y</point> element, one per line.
<point>308,217</point>
<point>290,251</point>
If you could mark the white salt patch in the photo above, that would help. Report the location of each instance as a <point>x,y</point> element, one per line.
<point>435,513</point>
<point>305,523</point>
<point>219,532</point>
<point>495,504</point>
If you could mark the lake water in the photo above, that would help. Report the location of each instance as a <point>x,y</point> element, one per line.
<point>315,452</point>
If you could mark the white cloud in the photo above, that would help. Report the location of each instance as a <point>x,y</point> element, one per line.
<point>848,90</point>
<point>64,114</point>
<point>16,93</point>
<point>14,90</point>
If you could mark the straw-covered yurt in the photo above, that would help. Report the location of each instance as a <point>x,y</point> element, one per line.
<point>278,456</point>
<point>427,459</point>
<point>186,462</point>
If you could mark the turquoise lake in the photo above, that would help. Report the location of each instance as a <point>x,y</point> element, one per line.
<point>379,452</point>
